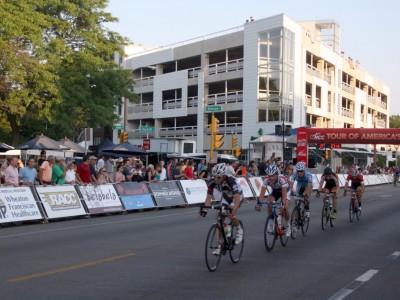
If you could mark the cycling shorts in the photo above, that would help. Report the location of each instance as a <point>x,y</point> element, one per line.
<point>278,195</point>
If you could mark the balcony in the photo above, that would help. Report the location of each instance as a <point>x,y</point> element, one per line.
<point>381,123</point>
<point>194,73</point>
<point>192,101</point>
<point>171,132</point>
<point>382,105</point>
<point>347,88</point>
<point>142,82</point>
<point>224,98</point>
<point>347,113</point>
<point>140,108</point>
<point>327,77</point>
<point>172,104</point>
<point>308,100</point>
<point>371,99</point>
<point>313,70</point>
<point>224,67</point>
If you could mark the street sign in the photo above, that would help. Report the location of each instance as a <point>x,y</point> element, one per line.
<point>213,108</point>
<point>147,129</point>
<point>119,126</point>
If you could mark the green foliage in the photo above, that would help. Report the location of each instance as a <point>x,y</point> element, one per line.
<point>57,69</point>
<point>394,121</point>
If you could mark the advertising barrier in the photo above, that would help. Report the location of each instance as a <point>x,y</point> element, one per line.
<point>256,183</point>
<point>247,193</point>
<point>60,201</point>
<point>101,198</point>
<point>166,193</point>
<point>195,190</point>
<point>18,204</point>
<point>135,195</point>
<point>315,181</point>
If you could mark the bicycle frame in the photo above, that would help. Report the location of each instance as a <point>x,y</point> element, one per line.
<point>297,218</point>
<point>272,229</point>
<point>354,206</point>
<point>327,211</point>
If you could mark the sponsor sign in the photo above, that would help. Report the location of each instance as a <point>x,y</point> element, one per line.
<point>315,181</point>
<point>18,204</point>
<point>256,183</point>
<point>247,193</point>
<point>195,190</point>
<point>60,201</point>
<point>135,195</point>
<point>146,144</point>
<point>101,198</point>
<point>353,135</point>
<point>302,146</point>
<point>166,193</point>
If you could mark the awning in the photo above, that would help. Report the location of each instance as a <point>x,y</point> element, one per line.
<point>358,154</point>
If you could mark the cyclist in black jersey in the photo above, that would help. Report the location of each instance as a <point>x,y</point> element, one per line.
<point>231,195</point>
<point>332,186</point>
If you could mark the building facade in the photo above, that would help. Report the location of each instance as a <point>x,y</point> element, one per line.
<point>252,77</point>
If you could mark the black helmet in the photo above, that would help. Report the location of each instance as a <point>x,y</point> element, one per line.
<point>328,171</point>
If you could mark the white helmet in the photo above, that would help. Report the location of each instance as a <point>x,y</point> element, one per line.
<point>271,170</point>
<point>219,169</point>
<point>300,166</point>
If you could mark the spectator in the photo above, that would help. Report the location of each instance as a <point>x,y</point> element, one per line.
<point>11,173</point>
<point>241,170</point>
<point>127,170</point>
<point>230,170</point>
<point>119,175</point>
<point>92,166</point>
<point>42,158</point>
<point>83,175</point>
<point>28,174</point>
<point>58,172</point>
<point>70,176</point>
<point>46,170</point>
<point>203,173</point>
<point>3,167</point>
<point>137,174</point>
<point>163,171</point>
<point>150,173</point>
<point>100,163</point>
<point>103,177</point>
<point>200,166</point>
<point>177,172</point>
<point>188,172</point>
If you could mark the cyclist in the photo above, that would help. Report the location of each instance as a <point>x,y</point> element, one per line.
<point>231,194</point>
<point>357,184</point>
<point>396,174</point>
<point>331,186</point>
<point>280,190</point>
<point>304,184</point>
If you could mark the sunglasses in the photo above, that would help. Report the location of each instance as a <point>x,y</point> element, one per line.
<point>218,177</point>
<point>300,171</point>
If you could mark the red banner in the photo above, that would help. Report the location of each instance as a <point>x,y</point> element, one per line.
<point>353,135</point>
<point>146,144</point>
<point>302,149</point>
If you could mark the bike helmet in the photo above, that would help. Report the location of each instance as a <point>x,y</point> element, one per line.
<point>328,171</point>
<point>271,170</point>
<point>300,166</point>
<point>219,169</point>
<point>354,172</point>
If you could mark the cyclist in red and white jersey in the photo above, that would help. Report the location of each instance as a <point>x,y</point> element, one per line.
<point>357,184</point>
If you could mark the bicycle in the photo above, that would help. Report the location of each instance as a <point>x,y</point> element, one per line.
<point>217,238</point>
<point>298,218</point>
<point>272,227</point>
<point>354,209</point>
<point>327,211</point>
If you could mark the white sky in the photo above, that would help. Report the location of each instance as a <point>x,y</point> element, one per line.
<point>369,28</point>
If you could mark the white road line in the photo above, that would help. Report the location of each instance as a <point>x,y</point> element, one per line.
<point>93,225</point>
<point>342,293</point>
<point>394,255</point>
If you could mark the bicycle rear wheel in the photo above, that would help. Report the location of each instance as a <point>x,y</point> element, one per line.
<point>325,216</point>
<point>352,210</point>
<point>213,242</point>
<point>331,220</point>
<point>295,221</point>
<point>270,233</point>
<point>284,238</point>
<point>358,210</point>
<point>236,250</point>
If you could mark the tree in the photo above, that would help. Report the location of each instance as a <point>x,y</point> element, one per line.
<point>63,75</point>
<point>394,121</point>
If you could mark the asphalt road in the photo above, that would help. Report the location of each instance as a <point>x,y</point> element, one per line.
<point>160,255</point>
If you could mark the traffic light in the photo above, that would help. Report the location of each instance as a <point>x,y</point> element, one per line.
<point>238,152</point>
<point>214,125</point>
<point>123,137</point>
<point>234,142</point>
<point>288,130</point>
<point>327,154</point>
<point>215,138</point>
<point>217,141</point>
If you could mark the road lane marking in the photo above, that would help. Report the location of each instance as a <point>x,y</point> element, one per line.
<point>394,255</point>
<point>359,281</point>
<point>95,225</point>
<point>75,267</point>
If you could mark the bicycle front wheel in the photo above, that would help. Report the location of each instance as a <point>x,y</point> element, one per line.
<point>236,249</point>
<point>270,233</point>
<point>284,237</point>
<point>305,222</point>
<point>214,248</point>
<point>352,210</point>
<point>358,211</point>
<point>325,216</point>
<point>295,221</point>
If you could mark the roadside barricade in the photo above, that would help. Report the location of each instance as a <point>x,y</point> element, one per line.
<point>100,199</point>
<point>135,195</point>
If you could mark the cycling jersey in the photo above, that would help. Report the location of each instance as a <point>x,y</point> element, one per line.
<point>397,173</point>
<point>302,182</point>
<point>228,188</point>
<point>357,179</point>
<point>330,182</point>
<point>277,185</point>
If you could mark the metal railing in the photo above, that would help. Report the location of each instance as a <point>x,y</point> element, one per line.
<point>172,104</point>
<point>224,98</point>
<point>194,72</point>
<point>346,87</point>
<point>140,108</point>
<point>308,100</point>
<point>192,101</point>
<point>224,67</point>
<point>347,112</point>
<point>146,81</point>
<point>313,70</point>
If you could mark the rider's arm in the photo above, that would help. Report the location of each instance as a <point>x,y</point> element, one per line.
<point>308,189</point>
<point>262,194</point>
<point>321,182</point>
<point>236,199</point>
